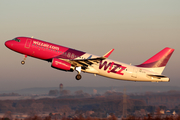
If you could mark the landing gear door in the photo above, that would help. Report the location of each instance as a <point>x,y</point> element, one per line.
<point>28,43</point>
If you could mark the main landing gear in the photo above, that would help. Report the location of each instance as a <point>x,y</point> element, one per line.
<point>78,76</point>
<point>23,62</point>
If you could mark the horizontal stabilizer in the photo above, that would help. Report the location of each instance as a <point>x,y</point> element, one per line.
<point>158,78</point>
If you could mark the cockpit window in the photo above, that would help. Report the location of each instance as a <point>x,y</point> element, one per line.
<point>18,40</point>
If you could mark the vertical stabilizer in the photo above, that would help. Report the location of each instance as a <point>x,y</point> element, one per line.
<point>158,62</point>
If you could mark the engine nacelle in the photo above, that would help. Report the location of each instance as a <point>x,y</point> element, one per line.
<point>61,64</point>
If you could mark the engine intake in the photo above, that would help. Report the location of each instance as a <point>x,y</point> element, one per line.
<point>62,65</point>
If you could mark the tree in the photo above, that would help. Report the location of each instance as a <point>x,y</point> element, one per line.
<point>8,115</point>
<point>53,92</point>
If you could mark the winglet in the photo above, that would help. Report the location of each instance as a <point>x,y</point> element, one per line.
<point>108,53</point>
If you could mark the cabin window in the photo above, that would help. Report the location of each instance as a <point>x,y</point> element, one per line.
<point>69,54</point>
<point>72,56</point>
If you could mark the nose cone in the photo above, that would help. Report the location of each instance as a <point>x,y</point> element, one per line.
<point>8,43</point>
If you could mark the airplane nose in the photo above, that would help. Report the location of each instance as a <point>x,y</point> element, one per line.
<point>8,43</point>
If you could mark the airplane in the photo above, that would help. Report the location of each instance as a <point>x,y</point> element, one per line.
<point>67,59</point>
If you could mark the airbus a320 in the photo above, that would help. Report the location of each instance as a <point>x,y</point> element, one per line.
<point>67,59</point>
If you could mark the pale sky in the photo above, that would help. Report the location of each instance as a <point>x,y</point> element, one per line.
<point>136,29</point>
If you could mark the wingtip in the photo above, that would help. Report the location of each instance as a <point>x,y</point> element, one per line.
<point>108,53</point>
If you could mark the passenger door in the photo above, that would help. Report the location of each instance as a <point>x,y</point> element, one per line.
<point>28,43</point>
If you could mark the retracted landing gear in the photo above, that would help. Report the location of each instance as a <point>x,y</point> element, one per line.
<point>78,76</point>
<point>23,62</point>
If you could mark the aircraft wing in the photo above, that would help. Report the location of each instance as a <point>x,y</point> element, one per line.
<point>84,63</point>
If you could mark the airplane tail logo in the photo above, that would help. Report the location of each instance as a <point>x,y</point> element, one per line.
<point>159,60</point>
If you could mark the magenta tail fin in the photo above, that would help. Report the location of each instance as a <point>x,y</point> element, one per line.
<point>158,60</point>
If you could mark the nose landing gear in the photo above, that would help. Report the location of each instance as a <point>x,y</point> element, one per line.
<point>23,62</point>
<point>78,76</point>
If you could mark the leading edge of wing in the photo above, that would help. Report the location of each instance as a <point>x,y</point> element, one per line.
<point>90,61</point>
<point>97,58</point>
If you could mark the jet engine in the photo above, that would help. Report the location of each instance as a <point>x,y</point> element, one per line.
<point>62,65</point>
